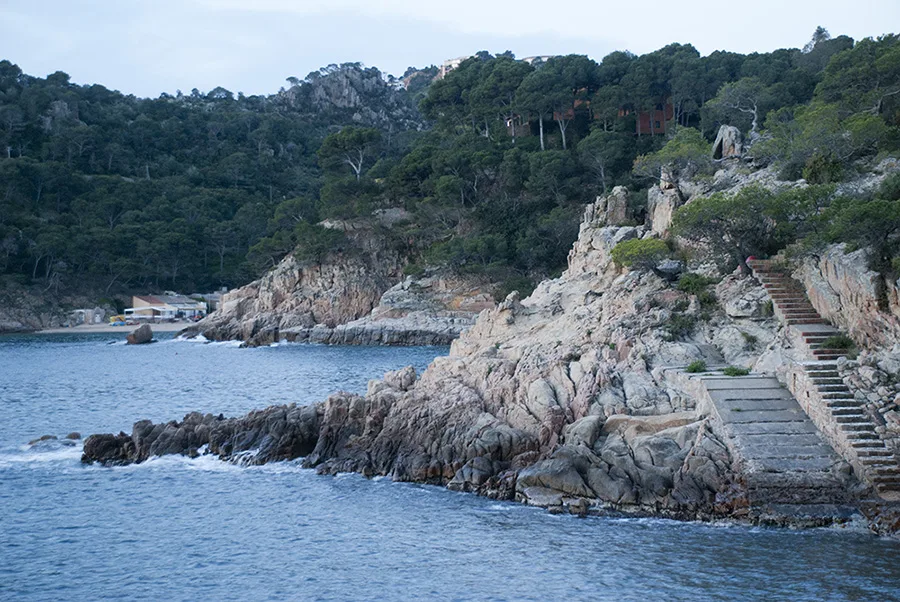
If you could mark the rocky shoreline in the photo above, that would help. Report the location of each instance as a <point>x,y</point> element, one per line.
<point>577,399</point>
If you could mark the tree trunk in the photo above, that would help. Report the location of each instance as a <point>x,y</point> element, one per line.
<point>541,126</point>
<point>563,124</point>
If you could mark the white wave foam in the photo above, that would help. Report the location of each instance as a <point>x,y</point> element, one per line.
<point>205,463</point>
<point>511,506</point>
<point>27,454</point>
<point>195,339</point>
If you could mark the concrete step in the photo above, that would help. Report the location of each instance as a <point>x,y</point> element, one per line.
<point>828,381</point>
<point>850,419</point>
<point>821,367</point>
<point>835,395</point>
<point>795,321</point>
<point>749,395</point>
<point>882,453</point>
<point>739,383</point>
<point>802,426</point>
<point>866,437</point>
<point>887,471</point>
<point>835,388</point>
<point>880,463</point>
<point>829,351</point>
<point>847,413</point>
<point>820,373</point>
<point>851,428</point>
<point>867,444</point>
<point>848,402</point>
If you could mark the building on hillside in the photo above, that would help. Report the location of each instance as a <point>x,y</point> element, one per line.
<point>212,300</point>
<point>656,121</point>
<point>451,64</point>
<point>543,58</point>
<point>165,307</point>
<point>517,126</point>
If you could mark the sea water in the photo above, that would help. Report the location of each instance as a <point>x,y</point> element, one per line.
<point>179,529</point>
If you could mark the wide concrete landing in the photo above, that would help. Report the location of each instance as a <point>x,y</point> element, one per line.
<point>781,454</point>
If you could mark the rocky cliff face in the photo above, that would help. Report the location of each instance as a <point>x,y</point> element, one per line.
<point>573,397</point>
<point>361,94</point>
<point>855,298</point>
<point>427,310</point>
<point>339,289</point>
<point>562,397</point>
<point>31,308</point>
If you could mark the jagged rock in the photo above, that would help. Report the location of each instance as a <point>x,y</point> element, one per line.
<point>108,449</point>
<point>356,92</point>
<point>618,207</point>
<point>139,336</point>
<point>742,297</point>
<point>669,269</point>
<point>276,433</point>
<point>574,392</point>
<point>302,294</point>
<point>846,292</point>
<point>661,206</point>
<point>729,143</point>
<point>429,310</point>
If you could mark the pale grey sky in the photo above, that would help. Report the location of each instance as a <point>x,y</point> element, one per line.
<point>146,47</point>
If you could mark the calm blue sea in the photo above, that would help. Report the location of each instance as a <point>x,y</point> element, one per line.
<point>179,529</point>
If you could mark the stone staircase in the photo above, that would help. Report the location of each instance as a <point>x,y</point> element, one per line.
<point>792,308</point>
<point>878,462</point>
<point>784,459</point>
<point>820,389</point>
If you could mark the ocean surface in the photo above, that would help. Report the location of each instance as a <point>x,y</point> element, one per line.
<point>180,529</point>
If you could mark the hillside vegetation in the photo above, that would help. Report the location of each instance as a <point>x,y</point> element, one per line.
<point>492,168</point>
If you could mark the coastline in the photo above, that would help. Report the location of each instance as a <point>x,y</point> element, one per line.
<point>106,328</point>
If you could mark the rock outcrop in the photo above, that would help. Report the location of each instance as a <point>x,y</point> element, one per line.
<point>616,207</point>
<point>428,310</point>
<point>360,93</point>
<point>845,291</point>
<point>562,396</point>
<point>302,294</point>
<point>574,397</point>
<point>729,143</point>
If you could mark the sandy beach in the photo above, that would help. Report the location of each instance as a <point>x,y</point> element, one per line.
<point>90,328</point>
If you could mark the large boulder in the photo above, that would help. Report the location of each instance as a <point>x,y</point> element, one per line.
<point>140,335</point>
<point>729,143</point>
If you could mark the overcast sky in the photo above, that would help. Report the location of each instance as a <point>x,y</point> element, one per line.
<point>146,47</point>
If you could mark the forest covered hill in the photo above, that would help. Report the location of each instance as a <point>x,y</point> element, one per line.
<point>491,164</point>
